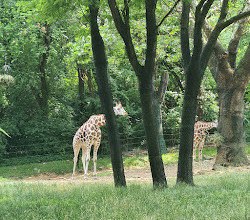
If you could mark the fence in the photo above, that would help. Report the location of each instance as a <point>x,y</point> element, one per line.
<point>59,150</point>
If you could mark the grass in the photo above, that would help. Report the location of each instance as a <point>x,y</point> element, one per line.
<point>220,196</point>
<point>65,166</point>
<point>248,148</point>
<point>225,196</point>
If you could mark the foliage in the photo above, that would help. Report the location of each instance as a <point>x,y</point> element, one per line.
<point>212,198</point>
<point>5,80</point>
<point>39,138</point>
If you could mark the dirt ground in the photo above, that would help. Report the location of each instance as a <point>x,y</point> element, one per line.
<point>132,174</point>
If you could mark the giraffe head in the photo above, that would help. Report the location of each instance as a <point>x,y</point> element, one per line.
<point>215,123</point>
<point>119,110</point>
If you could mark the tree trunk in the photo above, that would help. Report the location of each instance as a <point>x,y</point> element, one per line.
<point>199,109</point>
<point>152,133</point>
<point>89,82</point>
<point>80,70</point>
<point>185,162</point>
<point>231,83</point>
<point>158,116</point>
<point>157,102</point>
<point>145,77</point>
<point>106,96</point>
<point>231,126</point>
<point>195,67</point>
<point>42,97</point>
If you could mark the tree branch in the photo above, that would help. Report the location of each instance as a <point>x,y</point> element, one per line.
<point>163,86</point>
<point>224,10</point>
<point>170,11</point>
<point>124,30</point>
<point>151,37</point>
<point>234,42</point>
<point>185,46</point>
<point>212,65</point>
<point>214,36</point>
<point>206,8</point>
<point>242,70</point>
<point>234,19</point>
<point>200,14</point>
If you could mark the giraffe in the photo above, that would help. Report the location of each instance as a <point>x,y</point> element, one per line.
<point>90,134</point>
<point>199,136</point>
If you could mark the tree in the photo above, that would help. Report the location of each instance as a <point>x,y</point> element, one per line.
<point>106,96</point>
<point>194,66</point>
<point>42,96</point>
<point>231,80</point>
<point>145,75</point>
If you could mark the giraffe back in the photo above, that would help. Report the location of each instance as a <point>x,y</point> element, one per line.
<point>90,131</point>
<point>201,126</point>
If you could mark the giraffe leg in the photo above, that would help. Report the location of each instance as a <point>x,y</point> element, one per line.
<point>84,159</point>
<point>76,152</point>
<point>200,152</point>
<point>87,162</point>
<point>96,146</point>
<point>194,153</point>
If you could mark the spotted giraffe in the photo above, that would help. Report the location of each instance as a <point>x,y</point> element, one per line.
<point>90,134</point>
<point>199,136</point>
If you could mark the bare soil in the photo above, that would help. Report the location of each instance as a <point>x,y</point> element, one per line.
<point>132,174</point>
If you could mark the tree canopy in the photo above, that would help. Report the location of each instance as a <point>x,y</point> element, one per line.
<point>52,88</point>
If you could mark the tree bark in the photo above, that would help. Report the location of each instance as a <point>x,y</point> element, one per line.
<point>231,83</point>
<point>185,162</point>
<point>231,125</point>
<point>43,96</point>
<point>145,77</point>
<point>80,70</point>
<point>157,102</point>
<point>106,96</point>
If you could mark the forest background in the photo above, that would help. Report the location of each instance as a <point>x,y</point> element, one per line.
<point>54,90</point>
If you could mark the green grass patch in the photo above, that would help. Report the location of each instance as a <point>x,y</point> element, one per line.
<point>21,171</point>
<point>248,148</point>
<point>224,196</point>
<point>66,166</point>
<point>3,179</point>
<point>170,158</point>
<point>209,151</point>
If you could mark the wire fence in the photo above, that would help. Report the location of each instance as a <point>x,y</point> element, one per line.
<point>62,150</point>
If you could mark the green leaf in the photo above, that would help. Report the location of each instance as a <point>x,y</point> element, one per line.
<point>4,132</point>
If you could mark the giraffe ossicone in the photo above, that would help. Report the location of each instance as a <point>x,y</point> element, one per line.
<point>199,137</point>
<point>88,135</point>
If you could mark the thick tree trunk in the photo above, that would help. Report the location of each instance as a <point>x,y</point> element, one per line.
<point>106,96</point>
<point>158,116</point>
<point>152,133</point>
<point>231,125</point>
<point>42,96</point>
<point>231,81</point>
<point>185,162</point>
<point>157,102</point>
<point>199,110</point>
